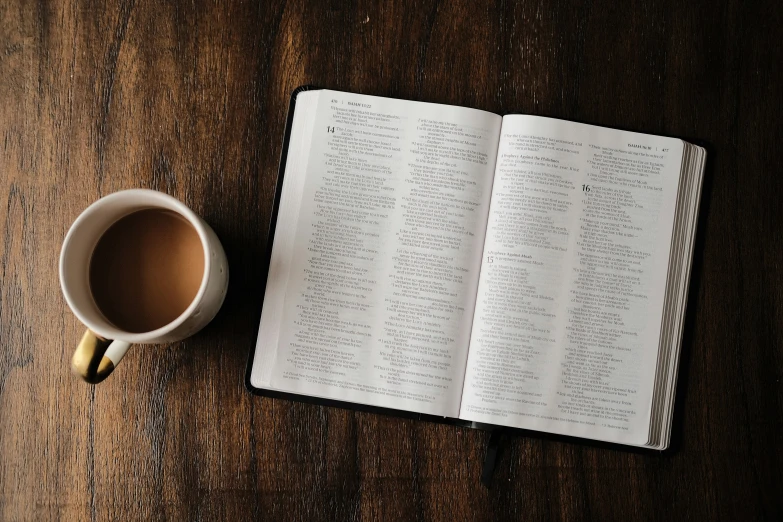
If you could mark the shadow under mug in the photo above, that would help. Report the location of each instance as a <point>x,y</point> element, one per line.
<point>103,344</point>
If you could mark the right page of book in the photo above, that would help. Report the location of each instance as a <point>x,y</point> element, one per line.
<point>567,322</point>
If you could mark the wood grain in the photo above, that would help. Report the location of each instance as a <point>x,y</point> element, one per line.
<point>190,98</point>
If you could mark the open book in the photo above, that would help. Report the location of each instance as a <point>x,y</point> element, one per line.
<point>517,271</point>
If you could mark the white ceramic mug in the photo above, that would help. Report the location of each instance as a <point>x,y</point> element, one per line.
<point>104,345</point>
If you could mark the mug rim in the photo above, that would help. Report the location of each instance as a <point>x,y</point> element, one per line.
<point>109,330</point>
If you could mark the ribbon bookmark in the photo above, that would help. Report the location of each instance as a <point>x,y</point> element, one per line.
<point>493,447</point>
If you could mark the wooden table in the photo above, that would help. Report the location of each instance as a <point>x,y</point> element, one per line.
<point>190,98</point>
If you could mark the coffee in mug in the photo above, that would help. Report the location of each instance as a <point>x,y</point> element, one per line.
<point>146,269</point>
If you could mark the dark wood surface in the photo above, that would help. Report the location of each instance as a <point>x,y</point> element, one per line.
<point>190,98</point>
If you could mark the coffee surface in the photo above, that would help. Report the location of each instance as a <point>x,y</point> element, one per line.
<point>146,269</point>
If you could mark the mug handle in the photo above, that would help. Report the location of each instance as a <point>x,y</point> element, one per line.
<point>95,357</point>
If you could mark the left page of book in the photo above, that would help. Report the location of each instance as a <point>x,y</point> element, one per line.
<point>377,252</point>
